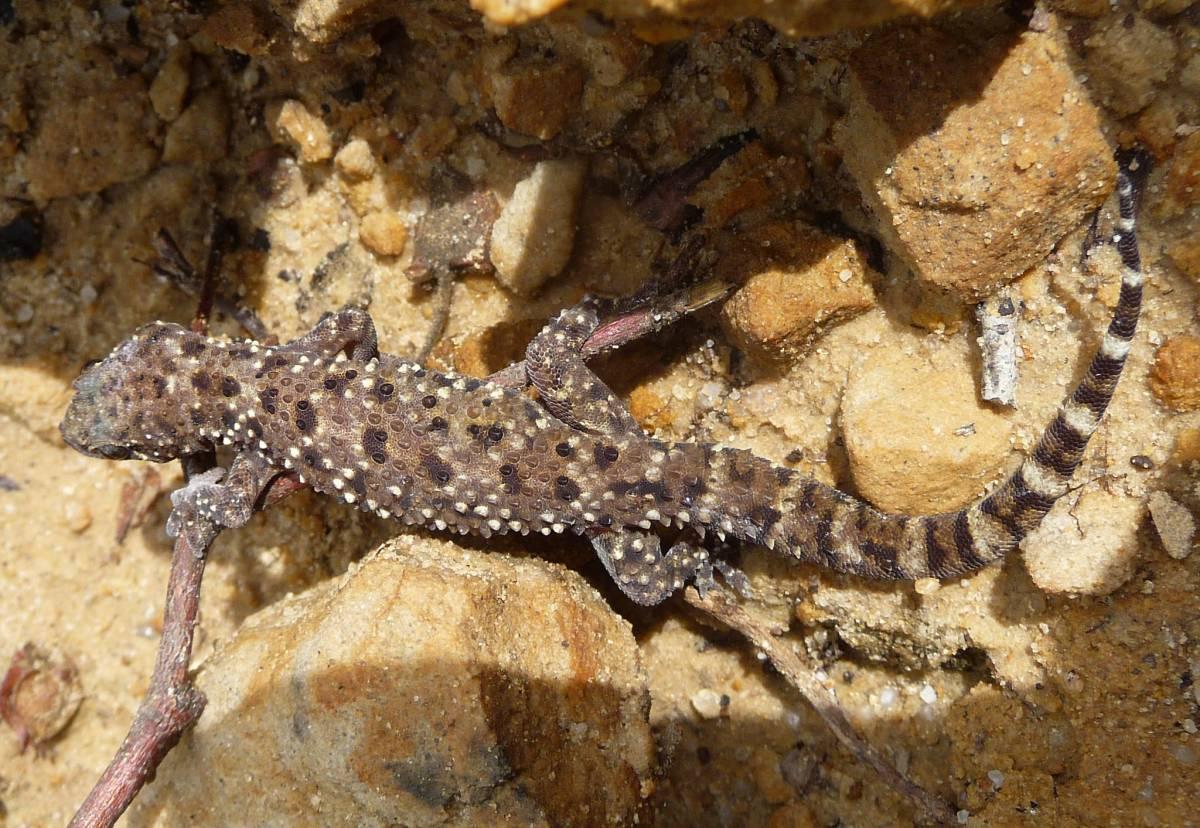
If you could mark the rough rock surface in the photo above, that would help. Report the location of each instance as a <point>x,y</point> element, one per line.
<point>323,20</point>
<point>795,282</point>
<point>1089,547</point>
<point>1015,702</point>
<point>917,437</point>
<point>973,173</point>
<point>516,696</point>
<point>533,236</point>
<point>1175,379</point>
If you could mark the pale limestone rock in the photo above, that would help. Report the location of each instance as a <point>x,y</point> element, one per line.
<point>1088,546</point>
<point>355,160</point>
<point>1176,526</point>
<point>796,282</point>
<point>973,172</point>
<point>916,435</point>
<point>295,124</point>
<point>430,685</point>
<point>534,234</point>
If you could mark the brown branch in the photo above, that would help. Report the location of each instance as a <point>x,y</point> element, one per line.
<point>719,603</point>
<point>172,704</point>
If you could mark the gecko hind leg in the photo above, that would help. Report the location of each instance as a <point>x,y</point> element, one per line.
<point>637,565</point>
<point>568,388</point>
<point>350,331</point>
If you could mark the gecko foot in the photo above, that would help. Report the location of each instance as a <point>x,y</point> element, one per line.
<point>207,498</point>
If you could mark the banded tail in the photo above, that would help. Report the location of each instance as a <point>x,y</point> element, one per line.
<point>820,524</point>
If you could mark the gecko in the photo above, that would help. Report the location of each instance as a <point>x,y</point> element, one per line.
<point>456,453</point>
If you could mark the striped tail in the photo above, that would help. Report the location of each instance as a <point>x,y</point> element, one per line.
<point>824,525</point>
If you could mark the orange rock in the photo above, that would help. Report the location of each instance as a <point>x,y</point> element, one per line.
<point>796,282</point>
<point>917,437</point>
<point>535,97</point>
<point>383,233</point>
<point>965,167</point>
<point>1175,377</point>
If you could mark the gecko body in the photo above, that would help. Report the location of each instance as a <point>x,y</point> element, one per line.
<point>462,454</point>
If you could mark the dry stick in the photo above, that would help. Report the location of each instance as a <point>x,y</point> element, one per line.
<point>720,604</point>
<point>172,704</point>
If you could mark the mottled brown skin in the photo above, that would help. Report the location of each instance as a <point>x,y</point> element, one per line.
<point>453,452</point>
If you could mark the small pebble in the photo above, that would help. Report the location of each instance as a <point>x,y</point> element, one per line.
<point>928,694</point>
<point>1183,754</point>
<point>1174,524</point>
<point>78,517</point>
<point>888,697</point>
<point>962,816</point>
<point>927,586</point>
<point>707,703</point>
<point>383,233</point>
<point>25,313</point>
<point>87,293</point>
<point>996,778</point>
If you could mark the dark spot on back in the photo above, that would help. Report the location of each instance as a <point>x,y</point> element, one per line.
<point>230,386</point>
<point>565,488</point>
<point>605,455</point>
<point>563,449</point>
<point>438,471</point>
<point>201,381</point>
<point>429,401</point>
<point>306,418</point>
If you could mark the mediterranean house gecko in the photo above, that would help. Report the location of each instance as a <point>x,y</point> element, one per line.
<point>456,453</point>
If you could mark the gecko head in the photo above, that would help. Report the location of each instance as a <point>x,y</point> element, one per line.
<point>125,405</point>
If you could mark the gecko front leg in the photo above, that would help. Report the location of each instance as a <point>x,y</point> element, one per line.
<point>229,503</point>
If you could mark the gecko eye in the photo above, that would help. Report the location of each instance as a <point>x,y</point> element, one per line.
<point>114,452</point>
<point>90,363</point>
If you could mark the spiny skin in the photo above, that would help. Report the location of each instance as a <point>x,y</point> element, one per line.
<point>459,453</point>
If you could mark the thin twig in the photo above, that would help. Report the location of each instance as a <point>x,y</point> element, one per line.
<point>172,704</point>
<point>720,604</point>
